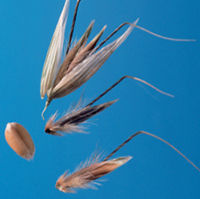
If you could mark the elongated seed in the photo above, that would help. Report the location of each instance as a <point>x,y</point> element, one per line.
<point>19,140</point>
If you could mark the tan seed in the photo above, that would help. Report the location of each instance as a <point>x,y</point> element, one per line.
<point>19,140</point>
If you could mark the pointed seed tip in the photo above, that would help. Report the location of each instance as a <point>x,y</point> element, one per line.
<point>105,26</point>
<point>129,157</point>
<point>126,158</point>
<point>9,125</point>
<point>112,102</point>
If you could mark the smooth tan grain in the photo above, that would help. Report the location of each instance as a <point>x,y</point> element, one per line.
<point>20,140</point>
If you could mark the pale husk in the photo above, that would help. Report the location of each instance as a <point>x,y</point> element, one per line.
<point>82,64</point>
<point>54,54</point>
<point>84,52</point>
<point>72,53</point>
<point>86,69</point>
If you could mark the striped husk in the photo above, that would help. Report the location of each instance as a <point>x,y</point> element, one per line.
<point>85,177</point>
<point>71,121</point>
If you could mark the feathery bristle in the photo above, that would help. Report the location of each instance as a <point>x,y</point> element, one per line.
<point>70,122</point>
<point>86,176</point>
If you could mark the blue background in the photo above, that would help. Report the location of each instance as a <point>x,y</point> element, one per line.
<point>155,171</point>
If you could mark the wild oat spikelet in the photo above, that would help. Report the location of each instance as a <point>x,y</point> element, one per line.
<point>85,177</point>
<point>85,64</point>
<point>71,121</point>
<point>93,169</point>
<point>80,63</point>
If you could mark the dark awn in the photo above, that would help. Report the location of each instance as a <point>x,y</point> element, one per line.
<point>87,174</point>
<point>71,121</point>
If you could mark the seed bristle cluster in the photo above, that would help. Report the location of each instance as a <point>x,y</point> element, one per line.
<point>71,121</point>
<point>86,176</point>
